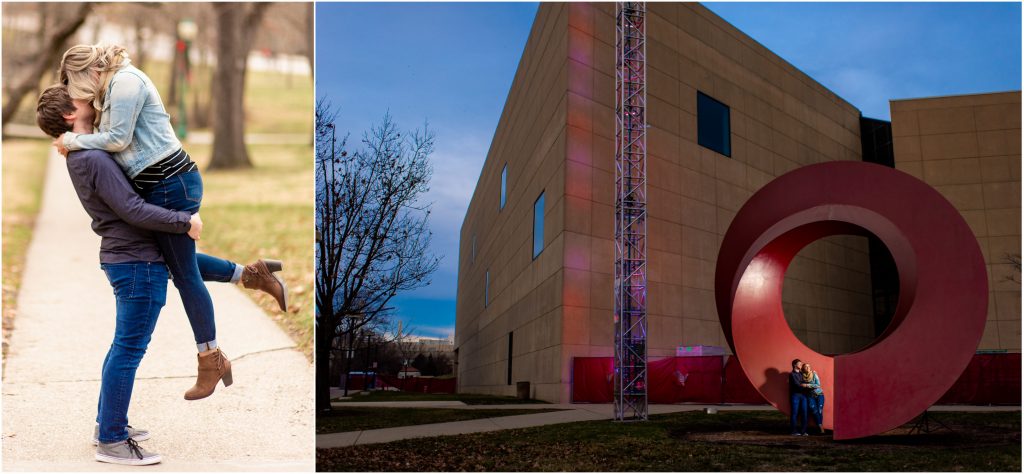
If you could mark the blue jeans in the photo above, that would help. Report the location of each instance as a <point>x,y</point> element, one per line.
<point>141,291</point>
<point>211,268</point>
<point>798,408</point>
<point>184,192</point>
<point>817,407</point>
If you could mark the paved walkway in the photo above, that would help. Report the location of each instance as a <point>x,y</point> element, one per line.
<point>264,422</point>
<point>571,413</point>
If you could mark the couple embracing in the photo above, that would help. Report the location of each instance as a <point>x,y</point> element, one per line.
<point>143,193</point>
<point>806,398</point>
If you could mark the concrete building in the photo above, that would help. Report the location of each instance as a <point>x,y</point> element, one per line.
<point>726,116</point>
<point>968,148</point>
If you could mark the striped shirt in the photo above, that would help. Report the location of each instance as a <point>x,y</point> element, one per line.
<point>179,162</point>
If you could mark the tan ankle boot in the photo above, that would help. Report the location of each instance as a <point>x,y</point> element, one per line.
<point>213,368</point>
<point>260,276</point>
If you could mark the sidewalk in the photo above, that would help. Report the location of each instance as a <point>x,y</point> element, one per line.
<point>571,413</point>
<point>64,326</point>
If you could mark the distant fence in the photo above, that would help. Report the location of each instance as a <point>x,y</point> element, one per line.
<point>989,379</point>
<point>418,384</point>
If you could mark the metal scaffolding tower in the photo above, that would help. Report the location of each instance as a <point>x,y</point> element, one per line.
<point>630,212</point>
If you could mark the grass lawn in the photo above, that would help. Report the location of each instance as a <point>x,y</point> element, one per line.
<point>694,441</point>
<point>274,102</point>
<point>467,398</point>
<point>24,167</point>
<point>370,418</point>
<point>267,212</point>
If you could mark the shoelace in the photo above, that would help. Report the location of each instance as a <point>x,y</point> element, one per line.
<point>133,447</point>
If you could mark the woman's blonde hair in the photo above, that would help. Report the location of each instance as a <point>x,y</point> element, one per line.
<point>86,69</point>
<point>807,372</point>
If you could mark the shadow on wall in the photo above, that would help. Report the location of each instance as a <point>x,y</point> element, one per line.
<point>776,383</point>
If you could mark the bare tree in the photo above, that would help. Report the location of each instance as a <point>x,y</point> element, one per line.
<point>310,40</point>
<point>46,58</point>
<point>236,25</point>
<point>1014,260</point>
<point>373,232</point>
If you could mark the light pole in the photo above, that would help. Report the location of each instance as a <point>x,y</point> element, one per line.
<point>187,31</point>
<point>350,352</point>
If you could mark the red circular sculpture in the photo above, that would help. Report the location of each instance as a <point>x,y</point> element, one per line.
<point>938,321</point>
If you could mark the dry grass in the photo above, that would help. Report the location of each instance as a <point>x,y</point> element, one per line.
<point>693,441</point>
<point>267,212</point>
<point>274,102</point>
<point>24,167</point>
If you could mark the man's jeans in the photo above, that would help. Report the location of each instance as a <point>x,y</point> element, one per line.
<point>184,192</point>
<point>211,269</point>
<point>141,291</point>
<point>798,408</point>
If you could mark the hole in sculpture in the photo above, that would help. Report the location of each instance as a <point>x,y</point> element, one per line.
<point>840,293</point>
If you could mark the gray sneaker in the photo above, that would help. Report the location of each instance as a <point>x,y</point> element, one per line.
<point>125,452</point>
<point>133,433</point>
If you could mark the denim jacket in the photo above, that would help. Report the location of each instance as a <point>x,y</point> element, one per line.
<point>816,385</point>
<point>134,127</point>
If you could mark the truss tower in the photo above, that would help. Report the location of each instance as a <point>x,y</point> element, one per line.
<point>630,212</point>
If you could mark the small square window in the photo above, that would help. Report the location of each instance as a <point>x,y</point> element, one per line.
<point>713,125</point>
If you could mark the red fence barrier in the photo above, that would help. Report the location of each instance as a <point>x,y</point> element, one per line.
<point>989,379</point>
<point>736,387</point>
<point>685,379</point>
<point>592,379</point>
<point>418,384</point>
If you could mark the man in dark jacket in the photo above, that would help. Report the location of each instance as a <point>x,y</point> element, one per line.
<point>797,400</point>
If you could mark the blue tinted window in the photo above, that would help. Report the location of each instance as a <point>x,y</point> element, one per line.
<point>713,125</point>
<point>538,226</point>
<point>504,181</point>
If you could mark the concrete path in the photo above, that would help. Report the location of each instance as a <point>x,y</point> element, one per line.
<point>571,413</point>
<point>65,323</point>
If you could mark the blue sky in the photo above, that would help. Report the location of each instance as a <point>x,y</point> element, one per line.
<point>452,65</point>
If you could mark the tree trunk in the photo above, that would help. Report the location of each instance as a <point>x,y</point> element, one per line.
<point>323,374</point>
<point>310,39</point>
<point>236,27</point>
<point>140,44</point>
<point>48,57</point>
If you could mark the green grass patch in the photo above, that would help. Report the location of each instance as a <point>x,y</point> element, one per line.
<point>467,398</point>
<point>266,212</point>
<point>694,441</point>
<point>24,170</point>
<point>339,420</point>
<point>274,102</point>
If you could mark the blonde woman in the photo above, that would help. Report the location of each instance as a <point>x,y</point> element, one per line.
<point>816,396</point>
<point>136,129</point>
